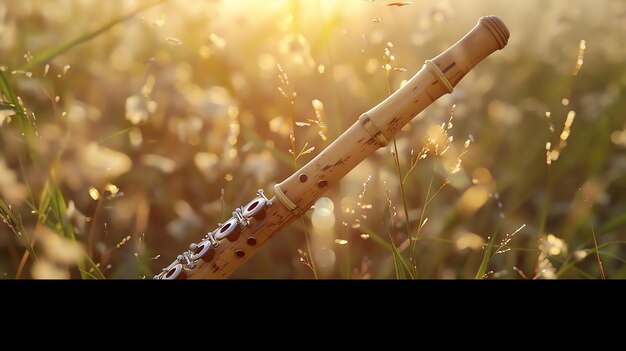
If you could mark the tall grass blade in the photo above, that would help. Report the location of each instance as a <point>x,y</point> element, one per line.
<point>250,135</point>
<point>487,256</point>
<point>56,51</point>
<point>615,223</point>
<point>52,204</point>
<point>397,258</point>
<point>400,263</point>
<point>11,101</point>
<point>15,220</point>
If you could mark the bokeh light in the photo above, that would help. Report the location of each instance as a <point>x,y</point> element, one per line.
<point>140,139</point>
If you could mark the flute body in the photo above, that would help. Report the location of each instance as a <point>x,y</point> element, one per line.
<point>226,248</point>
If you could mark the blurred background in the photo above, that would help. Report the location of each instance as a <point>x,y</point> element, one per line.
<point>129,129</point>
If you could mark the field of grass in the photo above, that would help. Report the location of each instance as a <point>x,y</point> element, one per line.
<point>128,129</point>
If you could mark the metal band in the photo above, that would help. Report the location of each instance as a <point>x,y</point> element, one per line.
<point>280,195</point>
<point>372,130</point>
<point>434,69</point>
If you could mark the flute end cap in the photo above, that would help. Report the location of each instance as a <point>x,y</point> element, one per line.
<point>497,28</point>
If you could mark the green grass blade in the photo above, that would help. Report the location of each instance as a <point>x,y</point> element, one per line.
<point>87,275</point>
<point>114,135</point>
<point>255,139</point>
<point>376,238</point>
<point>583,273</point>
<point>615,223</point>
<point>25,125</point>
<point>56,51</point>
<point>487,256</point>
<point>6,107</point>
<point>61,210</point>
<point>613,256</point>
<point>52,202</point>
<point>572,266</point>
<point>44,204</point>
<point>397,261</point>
<point>16,221</point>
<point>11,99</point>
<point>97,273</point>
<point>569,265</point>
<point>400,263</point>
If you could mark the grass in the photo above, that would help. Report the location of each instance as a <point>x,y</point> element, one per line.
<point>412,267</point>
<point>52,208</point>
<point>285,90</point>
<point>47,55</point>
<point>220,63</point>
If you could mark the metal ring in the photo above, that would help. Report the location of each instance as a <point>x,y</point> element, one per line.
<point>441,78</point>
<point>226,229</point>
<point>254,207</point>
<point>201,250</point>
<point>173,273</point>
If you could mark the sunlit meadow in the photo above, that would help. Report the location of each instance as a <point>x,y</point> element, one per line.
<point>128,129</point>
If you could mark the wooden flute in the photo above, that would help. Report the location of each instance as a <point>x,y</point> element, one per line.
<point>229,246</point>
